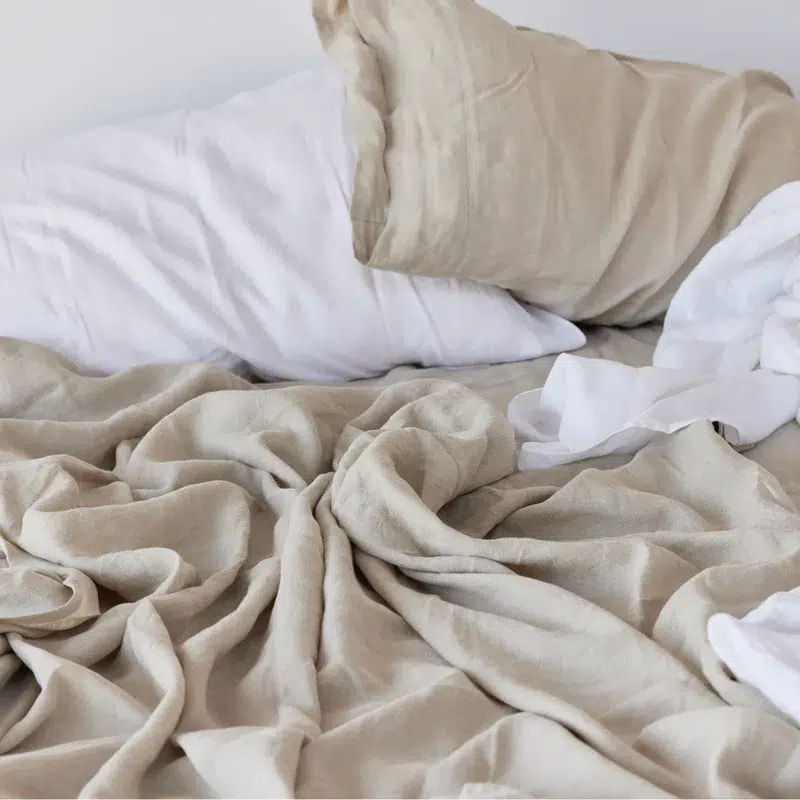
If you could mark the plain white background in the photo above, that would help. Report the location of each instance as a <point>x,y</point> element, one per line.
<point>71,64</point>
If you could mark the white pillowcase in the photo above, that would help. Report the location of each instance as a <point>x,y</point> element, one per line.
<point>223,236</point>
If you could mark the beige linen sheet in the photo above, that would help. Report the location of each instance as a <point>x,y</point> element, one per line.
<point>219,590</point>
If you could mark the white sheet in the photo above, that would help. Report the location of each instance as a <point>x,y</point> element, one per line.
<point>738,308</point>
<point>762,649</point>
<point>729,353</point>
<point>592,407</point>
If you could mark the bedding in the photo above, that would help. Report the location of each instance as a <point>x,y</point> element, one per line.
<point>586,182</point>
<point>729,354</point>
<point>223,236</point>
<point>216,589</point>
<point>738,310</point>
<point>590,407</point>
<point>213,588</point>
<point>761,649</point>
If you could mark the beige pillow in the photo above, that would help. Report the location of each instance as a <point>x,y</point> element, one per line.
<point>586,182</point>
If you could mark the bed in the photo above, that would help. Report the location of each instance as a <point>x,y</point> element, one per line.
<point>215,587</point>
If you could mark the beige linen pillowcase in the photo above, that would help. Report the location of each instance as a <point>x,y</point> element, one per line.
<point>585,182</point>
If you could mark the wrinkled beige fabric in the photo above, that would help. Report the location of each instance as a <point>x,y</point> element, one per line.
<point>586,182</point>
<point>215,590</point>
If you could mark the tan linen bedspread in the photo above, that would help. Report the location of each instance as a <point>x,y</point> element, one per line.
<point>220,590</point>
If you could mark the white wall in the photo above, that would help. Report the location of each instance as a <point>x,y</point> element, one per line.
<point>68,64</point>
<point>726,34</point>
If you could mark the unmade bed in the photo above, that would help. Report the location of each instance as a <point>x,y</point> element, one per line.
<point>218,589</point>
<point>266,530</point>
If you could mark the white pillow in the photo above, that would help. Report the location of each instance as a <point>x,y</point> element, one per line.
<point>224,236</point>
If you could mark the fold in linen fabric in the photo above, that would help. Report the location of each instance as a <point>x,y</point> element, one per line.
<point>220,590</point>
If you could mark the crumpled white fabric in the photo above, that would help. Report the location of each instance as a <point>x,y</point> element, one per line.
<point>762,649</point>
<point>739,307</point>
<point>592,407</point>
<point>729,354</point>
